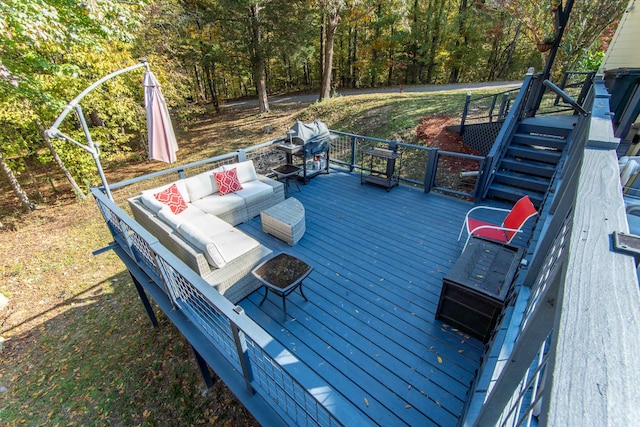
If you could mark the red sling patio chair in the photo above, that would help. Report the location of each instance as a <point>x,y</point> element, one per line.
<point>503,233</point>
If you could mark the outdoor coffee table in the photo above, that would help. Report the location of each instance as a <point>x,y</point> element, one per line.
<point>282,275</point>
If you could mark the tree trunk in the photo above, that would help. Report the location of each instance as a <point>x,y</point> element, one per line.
<point>212,87</point>
<point>456,65</point>
<point>412,71</point>
<point>20,193</point>
<point>76,189</point>
<point>257,60</point>
<point>507,61</point>
<point>34,181</point>
<point>201,91</point>
<point>323,30</point>
<point>438,18</point>
<point>353,70</point>
<point>330,32</point>
<point>391,60</point>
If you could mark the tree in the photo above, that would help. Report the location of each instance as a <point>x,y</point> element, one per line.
<point>257,57</point>
<point>47,62</point>
<point>331,10</point>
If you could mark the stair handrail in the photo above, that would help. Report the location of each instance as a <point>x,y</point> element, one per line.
<point>566,97</point>
<point>502,140</point>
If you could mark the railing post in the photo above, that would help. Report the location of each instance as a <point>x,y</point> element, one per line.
<point>352,163</point>
<point>203,367</point>
<point>432,167</point>
<point>465,111</point>
<point>482,177</point>
<point>503,106</point>
<point>241,348</point>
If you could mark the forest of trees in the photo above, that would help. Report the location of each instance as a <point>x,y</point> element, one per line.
<point>207,51</point>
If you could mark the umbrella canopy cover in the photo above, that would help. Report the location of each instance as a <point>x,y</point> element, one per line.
<point>162,140</point>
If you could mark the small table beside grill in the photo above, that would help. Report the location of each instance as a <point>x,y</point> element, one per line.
<point>282,275</point>
<point>287,172</point>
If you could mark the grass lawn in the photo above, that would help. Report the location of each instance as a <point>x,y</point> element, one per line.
<point>77,347</point>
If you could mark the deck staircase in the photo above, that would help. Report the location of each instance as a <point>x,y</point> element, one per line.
<point>530,159</point>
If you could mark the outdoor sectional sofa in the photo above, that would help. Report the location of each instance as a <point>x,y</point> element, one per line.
<point>195,217</point>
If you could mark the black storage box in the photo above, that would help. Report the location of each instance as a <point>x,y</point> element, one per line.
<point>474,291</point>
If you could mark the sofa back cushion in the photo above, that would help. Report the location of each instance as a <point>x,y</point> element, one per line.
<point>245,170</point>
<point>201,185</point>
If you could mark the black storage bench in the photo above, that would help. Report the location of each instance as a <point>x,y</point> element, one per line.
<point>474,291</point>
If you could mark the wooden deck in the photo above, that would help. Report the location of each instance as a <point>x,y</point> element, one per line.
<point>368,328</point>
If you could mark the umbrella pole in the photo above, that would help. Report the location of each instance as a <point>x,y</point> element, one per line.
<point>92,148</point>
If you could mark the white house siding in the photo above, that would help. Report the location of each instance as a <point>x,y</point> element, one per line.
<point>624,51</point>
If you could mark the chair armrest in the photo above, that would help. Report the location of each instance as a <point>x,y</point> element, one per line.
<point>495,227</point>
<point>487,208</point>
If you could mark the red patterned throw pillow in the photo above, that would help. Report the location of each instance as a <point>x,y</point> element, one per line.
<point>172,198</point>
<point>227,181</point>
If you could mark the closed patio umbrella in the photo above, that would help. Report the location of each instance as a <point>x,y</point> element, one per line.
<point>162,140</point>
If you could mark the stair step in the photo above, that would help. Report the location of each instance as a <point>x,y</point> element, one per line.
<point>528,167</point>
<point>539,140</point>
<point>506,192</point>
<point>526,152</point>
<point>526,182</point>
<point>548,125</point>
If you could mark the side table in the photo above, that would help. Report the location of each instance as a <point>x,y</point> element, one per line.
<point>287,172</point>
<point>282,275</point>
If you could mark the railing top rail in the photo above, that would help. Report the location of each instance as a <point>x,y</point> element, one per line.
<point>197,163</point>
<point>595,368</point>
<point>492,95</point>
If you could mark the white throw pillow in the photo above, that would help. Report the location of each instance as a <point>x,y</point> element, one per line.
<point>246,171</point>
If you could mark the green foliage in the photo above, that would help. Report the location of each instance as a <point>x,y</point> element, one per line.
<point>50,50</point>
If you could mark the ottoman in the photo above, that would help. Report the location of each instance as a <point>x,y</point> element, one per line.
<point>284,221</point>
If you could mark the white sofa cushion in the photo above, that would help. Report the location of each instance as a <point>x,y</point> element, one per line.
<point>154,205</point>
<point>188,215</point>
<point>246,171</point>
<point>194,216</point>
<point>215,204</point>
<point>254,192</point>
<point>202,185</point>
<point>219,247</point>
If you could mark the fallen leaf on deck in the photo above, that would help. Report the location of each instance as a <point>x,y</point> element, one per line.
<point>439,359</point>
<point>366,402</point>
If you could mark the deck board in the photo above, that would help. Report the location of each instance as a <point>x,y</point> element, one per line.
<point>368,328</point>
